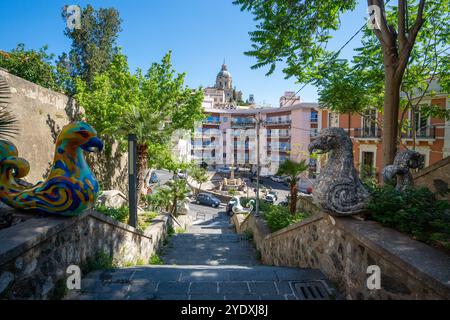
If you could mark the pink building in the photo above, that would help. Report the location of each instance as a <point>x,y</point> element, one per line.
<point>228,137</point>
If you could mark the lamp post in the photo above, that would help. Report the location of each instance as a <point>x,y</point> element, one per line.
<point>132,181</point>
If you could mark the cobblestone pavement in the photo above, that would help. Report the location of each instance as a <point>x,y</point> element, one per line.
<point>207,262</point>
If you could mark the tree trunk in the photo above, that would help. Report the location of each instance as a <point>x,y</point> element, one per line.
<point>390,116</point>
<point>293,198</point>
<point>142,161</point>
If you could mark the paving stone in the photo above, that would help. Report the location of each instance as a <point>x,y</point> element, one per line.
<point>171,287</point>
<point>233,288</point>
<point>206,297</point>
<point>263,288</point>
<point>272,297</point>
<point>208,262</point>
<point>284,287</point>
<point>203,288</point>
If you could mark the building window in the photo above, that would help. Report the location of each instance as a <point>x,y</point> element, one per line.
<point>367,164</point>
<point>314,116</point>
<point>369,124</point>
<point>333,119</point>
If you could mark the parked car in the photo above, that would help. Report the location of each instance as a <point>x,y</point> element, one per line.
<point>270,198</point>
<point>304,186</point>
<point>277,179</point>
<point>223,170</point>
<point>273,193</point>
<point>283,203</point>
<point>153,178</point>
<point>181,174</point>
<point>207,199</point>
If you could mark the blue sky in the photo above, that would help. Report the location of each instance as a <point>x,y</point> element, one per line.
<point>200,33</point>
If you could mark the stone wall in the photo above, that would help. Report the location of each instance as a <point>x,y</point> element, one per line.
<point>41,114</point>
<point>34,254</point>
<point>436,178</point>
<point>343,248</point>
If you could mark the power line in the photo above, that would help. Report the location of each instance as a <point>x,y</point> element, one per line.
<point>334,56</point>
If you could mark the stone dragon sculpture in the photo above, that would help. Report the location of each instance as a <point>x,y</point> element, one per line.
<point>70,188</point>
<point>400,169</point>
<point>338,189</point>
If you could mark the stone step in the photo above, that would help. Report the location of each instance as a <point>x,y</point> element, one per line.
<point>199,282</point>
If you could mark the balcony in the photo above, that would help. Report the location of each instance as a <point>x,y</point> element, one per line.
<point>243,124</point>
<point>211,121</point>
<point>425,133</point>
<point>272,122</point>
<point>367,133</point>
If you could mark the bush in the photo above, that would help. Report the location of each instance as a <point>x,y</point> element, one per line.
<point>416,211</point>
<point>278,217</point>
<point>120,214</point>
<point>155,260</point>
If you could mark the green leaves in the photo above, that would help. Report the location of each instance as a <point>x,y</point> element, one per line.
<point>414,211</point>
<point>292,169</point>
<point>295,32</point>
<point>31,65</point>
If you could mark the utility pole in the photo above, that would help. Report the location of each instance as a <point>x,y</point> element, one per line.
<point>132,179</point>
<point>258,123</point>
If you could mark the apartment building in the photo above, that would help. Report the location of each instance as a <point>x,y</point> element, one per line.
<point>229,137</point>
<point>432,135</point>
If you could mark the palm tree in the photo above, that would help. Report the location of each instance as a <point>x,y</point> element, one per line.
<point>292,170</point>
<point>179,192</point>
<point>199,175</point>
<point>8,122</point>
<point>148,128</point>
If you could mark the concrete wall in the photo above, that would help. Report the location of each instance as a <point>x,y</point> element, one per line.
<point>435,177</point>
<point>35,254</point>
<point>343,248</point>
<point>41,115</point>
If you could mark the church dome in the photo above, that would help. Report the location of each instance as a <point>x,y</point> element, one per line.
<point>224,72</point>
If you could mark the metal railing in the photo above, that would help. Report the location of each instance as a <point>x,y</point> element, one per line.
<point>428,132</point>
<point>371,133</point>
<point>276,121</point>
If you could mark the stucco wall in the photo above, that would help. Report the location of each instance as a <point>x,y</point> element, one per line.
<point>343,248</point>
<point>41,114</point>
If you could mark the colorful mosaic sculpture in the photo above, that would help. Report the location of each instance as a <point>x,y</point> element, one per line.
<point>70,188</point>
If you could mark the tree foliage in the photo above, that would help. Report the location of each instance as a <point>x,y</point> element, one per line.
<point>93,45</point>
<point>34,66</point>
<point>297,33</point>
<point>292,170</point>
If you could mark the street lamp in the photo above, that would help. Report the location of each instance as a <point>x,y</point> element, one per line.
<point>132,196</point>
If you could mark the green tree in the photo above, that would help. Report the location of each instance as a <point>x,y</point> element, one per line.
<point>151,106</point>
<point>292,170</point>
<point>93,45</point>
<point>297,32</point>
<point>31,65</point>
<point>165,105</point>
<point>199,175</point>
<point>178,190</point>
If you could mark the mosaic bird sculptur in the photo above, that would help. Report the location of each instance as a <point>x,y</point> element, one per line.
<point>70,188</point>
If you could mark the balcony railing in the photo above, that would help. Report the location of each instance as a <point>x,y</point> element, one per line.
<point>370,133</point>
<point>243,124</point>
<point>428,132</point>
<point>208,121</point>
<point>278,122</point>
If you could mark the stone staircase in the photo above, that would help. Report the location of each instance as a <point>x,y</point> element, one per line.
<point>207,262</point>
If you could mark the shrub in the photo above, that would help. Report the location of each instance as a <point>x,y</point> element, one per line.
<point>416,211</point>
<point>120,214</point>
<point>278,217</point>
<point>155,260</point>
